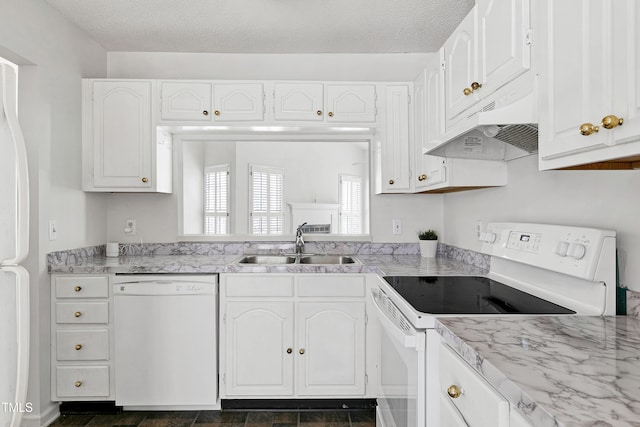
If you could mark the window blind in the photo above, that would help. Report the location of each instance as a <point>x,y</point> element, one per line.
<point>216,199</point>
<point>350,204</point>
<point>267,199</point>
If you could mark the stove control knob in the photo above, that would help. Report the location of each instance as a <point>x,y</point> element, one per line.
<point>561,248</point>
<point>577,251</point>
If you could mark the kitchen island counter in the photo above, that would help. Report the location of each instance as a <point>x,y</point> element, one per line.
<point>558,371</point>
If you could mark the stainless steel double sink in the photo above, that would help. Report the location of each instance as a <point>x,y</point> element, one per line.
<point>297,259</point>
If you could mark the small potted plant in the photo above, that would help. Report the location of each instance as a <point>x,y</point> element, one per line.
<point>428,243</point>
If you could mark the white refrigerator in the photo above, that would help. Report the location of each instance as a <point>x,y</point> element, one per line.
<point>14,239</point>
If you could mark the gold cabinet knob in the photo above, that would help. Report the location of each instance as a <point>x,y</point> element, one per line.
<point>77,314</point>
<point>587,129</point>
<point>78,383</point>
<point>319,112</point>
<point>77,288</point>
<point>289,350</point>
<point>330,114</point>
<point>78,346</point>
<point>611,121</point>
<point>391,182</point>
<point>475,86</point>
<point>467,91</point>
<point>422,177</point>
<point>301,351</point>
<point>205,113</point>
<point>217,112</point>
<point>145,179</point>
<point>454,391</point>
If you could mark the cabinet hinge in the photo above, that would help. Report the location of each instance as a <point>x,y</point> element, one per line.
<point>366,379</point>
<point>528,37</point>
<point>443,65</point>
<point>366,319</point>
<point>224,378</point>
<point>224,315</point>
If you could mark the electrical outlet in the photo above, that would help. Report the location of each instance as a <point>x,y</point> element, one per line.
<point>479,226</point>
<point>397,226</point>
<point>130,227</point>
<point>53,229</point>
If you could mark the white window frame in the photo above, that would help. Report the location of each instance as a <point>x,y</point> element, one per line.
<point>273,215</point>
<point>221,210</point>
<point>345,211</point>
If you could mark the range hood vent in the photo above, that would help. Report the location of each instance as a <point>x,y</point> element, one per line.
<point>503,128</point>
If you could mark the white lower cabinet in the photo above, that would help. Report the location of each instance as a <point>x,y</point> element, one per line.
<point>81,338</point>
<point>293,335</point>
<point>467,399</point>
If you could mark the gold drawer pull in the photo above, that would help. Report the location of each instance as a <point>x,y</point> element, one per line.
<point>302,351</point>
<point>78,346</point>
<point>611,121</point>
<point>289,350</point>
<point>587,129</point>
<point>145,179</point>
<point>77,288</point>
<point>78,383</point>
<point>330,114</point>
<point>205,113</point>
<point>319,112</point>
<point>391,182</point>
<point>217,112</point>
<point>422,177</point>
<point>77,314</point>
<point>454,391</point>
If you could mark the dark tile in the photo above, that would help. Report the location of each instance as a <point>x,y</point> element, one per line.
<point>285,417</point>
<point>166,422</point>
<point>259,417</point>
<point>166,415</point>
<point>126,418</point>
<point>221,417</point>
<point>336,417</point>
<point>72,420</point>
<point>339,424</point>
<point>364,424</point>
<point>362,416</point>
<point>284,425</point>
<point>221,424</point>
<point>311,417</point>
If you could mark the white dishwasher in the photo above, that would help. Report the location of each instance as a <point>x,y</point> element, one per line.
<point>165,339</point>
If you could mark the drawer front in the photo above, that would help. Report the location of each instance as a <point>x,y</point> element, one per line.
<point>82,287</point>
<point>328,285</point>
<point>479,404</point>
<point>82,312</point>
<point>82,381</point>
<point>82,345</point>
<point>259,285</point>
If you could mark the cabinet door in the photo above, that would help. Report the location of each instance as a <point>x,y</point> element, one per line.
<point>395,162</point>
<point>503,52</point>
<point>122,138</point>
<point>259,348</point>
<point>330,348</point>
<point>298,101</point>
<point>238,102</point>
<point>576,58</point>
<point>186,101</point>
<point>351,103</point>
<point>461,67</point>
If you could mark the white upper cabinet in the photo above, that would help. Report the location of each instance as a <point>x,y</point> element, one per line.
<point>235,102</point>
<point>589,84</point>
<point>319,102</point>
<point>186,101</point>
<point>395,153</point>
<point>461,67</point>
<point>490,48</point>
<point>207,102</point>
<point>351,103</point>
<point>298,102</point>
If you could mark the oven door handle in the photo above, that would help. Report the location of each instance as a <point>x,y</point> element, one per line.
<point>407,339</point>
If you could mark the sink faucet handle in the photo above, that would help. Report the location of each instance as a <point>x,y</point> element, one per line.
<point>299,230</point>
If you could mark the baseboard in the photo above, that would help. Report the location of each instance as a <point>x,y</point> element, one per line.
<point>43,419</point>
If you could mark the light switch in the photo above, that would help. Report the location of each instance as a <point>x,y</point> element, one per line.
<point>53,229</point>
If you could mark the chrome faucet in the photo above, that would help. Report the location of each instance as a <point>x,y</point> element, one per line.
<point>299,240</point>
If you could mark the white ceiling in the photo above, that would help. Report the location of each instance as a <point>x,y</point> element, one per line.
<point>267,26</point>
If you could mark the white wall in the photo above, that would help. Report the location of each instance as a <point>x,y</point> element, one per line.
<point>53,56</point>
<point>602,199</point>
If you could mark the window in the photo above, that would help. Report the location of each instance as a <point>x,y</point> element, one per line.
<point>216,199</point>
<point>350,204</point>
<point>266,199</point>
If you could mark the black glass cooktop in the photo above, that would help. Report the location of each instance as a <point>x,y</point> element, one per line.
<point>468,295</point>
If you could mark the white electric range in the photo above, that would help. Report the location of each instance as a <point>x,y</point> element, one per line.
<point>536,269</point>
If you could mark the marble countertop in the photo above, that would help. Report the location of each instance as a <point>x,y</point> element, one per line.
<point>393,265</point>
<point>557,370</point>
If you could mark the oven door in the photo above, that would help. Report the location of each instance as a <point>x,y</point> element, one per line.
<point>401,367</point>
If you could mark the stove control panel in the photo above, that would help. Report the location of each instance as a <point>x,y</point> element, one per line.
<point>576,251</point>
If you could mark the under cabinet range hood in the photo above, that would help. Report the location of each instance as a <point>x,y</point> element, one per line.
<point>503,127</point>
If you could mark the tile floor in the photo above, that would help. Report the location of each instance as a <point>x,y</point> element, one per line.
<point>307,418</point>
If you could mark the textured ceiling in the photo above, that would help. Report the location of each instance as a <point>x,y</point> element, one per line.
<point>267,26</point>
